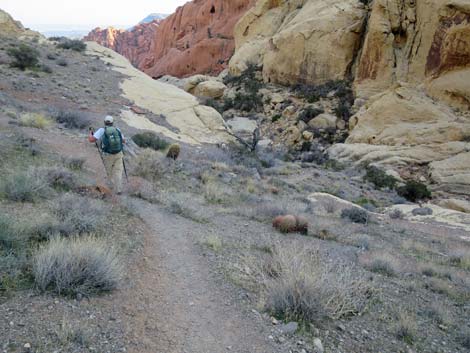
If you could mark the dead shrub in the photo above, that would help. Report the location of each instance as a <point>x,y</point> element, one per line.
<point>300,285</point>
<point>406,327</point>
<point>83,265</point>
<point>150,165</point>
<point>24,186</point>
<point>79,215</point>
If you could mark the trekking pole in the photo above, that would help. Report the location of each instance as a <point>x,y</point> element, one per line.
<point>124,165</point>
<point>98,147</point>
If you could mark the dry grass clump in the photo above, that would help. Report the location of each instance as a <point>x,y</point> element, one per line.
<point>24,186</point>
<point>79,215</point>
<point>217,193</point>
<point>213,242</point>
<point>383,263</point>
<point>35,120</point>
<point>58,178</point>
<point>460,259</point>
<point>406,327</point>
<point>150,165</point>
<point>82,265</point>
<point>300,285</point>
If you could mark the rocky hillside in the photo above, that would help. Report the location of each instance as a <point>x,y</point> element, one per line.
<point>197,38</point>
<point>11,28</point>
<point>407,61</point>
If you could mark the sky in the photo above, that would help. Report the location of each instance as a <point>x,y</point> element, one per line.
<point>85,13</point>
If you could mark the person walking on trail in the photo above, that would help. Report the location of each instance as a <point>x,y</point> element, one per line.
<point>111,141</point>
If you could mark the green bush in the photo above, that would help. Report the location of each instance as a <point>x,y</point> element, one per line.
<point>24,57</point>
<point>73,119</point>
<point>414,191</point>
<point>276,118</point>
<point>309,113</point>
<point>73,44</point>
<point>355,215</point>
<point>150,140</point>
<point>80,265</point>
<point>244,102</point>
<point>313,93</point>
<point>379,178</point>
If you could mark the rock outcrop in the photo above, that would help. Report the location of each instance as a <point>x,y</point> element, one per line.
<point>197,38</point>
<point>185,119</point>
<point>11,28</point>
<point>300,41</point>
<point>418,41</point>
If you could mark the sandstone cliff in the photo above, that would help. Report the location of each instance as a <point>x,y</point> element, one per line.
<point>197,38</point>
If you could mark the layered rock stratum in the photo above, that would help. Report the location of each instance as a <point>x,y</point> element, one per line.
<point>197,38</point>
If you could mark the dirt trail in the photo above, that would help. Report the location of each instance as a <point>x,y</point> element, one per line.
<point>189,311</point>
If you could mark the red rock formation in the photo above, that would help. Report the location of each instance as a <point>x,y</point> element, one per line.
<point>197,38</point>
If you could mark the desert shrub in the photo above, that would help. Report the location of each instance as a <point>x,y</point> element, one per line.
<point>83,265</point>
<point>8,234</point>
<point>406,328</point>
<point>396,214</point>
<point>79,215</point>
<point>150,140</point>
<point>72,119</point>
<point>414,191</point>
<point>74,163</point>
<point>213,242</point>
<point>62,62</point>
<point>73,44</point>
<point>313,93</point>
<point>301,286</point>
<point>379,178</point>
<point>217,193</point>
<point>246,102</point>
<point>309,113</point>
<point>343,110</point>
<point>35,120</point>
<point>460,259</point>
<point>47,69</point>
<point>247,79</point>
<point>355,215</point>
<point>59,178</point>
<point>211,102</point>
<point>150,165</point>
<point>24,186</point>
<point>25,57</point>
<point>51,56</point>
<point>276,117</point>
<point>382,266</point>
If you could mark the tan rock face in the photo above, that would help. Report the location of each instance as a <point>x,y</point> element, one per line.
<point>416,41</point>
<point>197,38</point>
<point>299,41</point>
<point>405,116</point>
<point>11,28</point>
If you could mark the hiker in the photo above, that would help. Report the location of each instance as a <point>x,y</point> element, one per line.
<point>111,140</point>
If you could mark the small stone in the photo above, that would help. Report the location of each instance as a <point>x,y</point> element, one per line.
<point>281,339</point>
<point>289,328</point>
<point>27,346</point>
<point>341,327</point>
<point>274,321</point>
<point>318,346</point>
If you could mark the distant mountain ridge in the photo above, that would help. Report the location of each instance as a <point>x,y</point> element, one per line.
<point>154,16</point>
